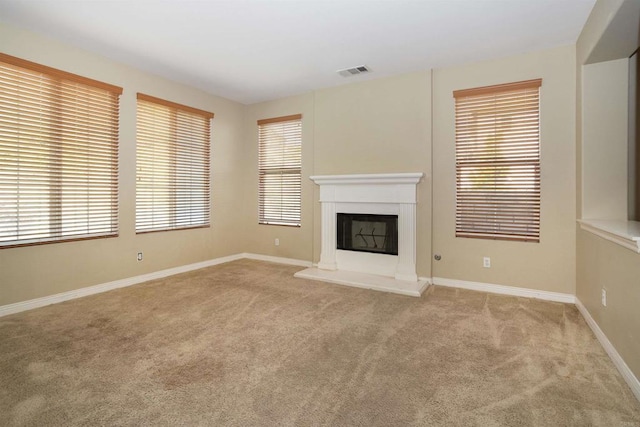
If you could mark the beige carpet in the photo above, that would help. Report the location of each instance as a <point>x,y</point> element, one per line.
<point>246,344</point>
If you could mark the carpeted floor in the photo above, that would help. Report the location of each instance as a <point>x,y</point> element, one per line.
<point>246,344</point>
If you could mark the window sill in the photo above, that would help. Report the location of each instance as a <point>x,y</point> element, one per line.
<point>623,233</point>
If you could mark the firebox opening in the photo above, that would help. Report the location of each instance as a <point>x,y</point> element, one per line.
<point>368,233</point>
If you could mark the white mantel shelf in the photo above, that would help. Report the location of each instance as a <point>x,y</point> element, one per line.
<point>623,233</point>
<point>382,178</point>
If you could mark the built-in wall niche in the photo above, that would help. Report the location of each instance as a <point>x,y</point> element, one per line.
<point>605,129</point>
<point>367,233</point>
<point>609,152</point>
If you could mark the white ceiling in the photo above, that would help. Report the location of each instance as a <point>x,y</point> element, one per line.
<point>256,50</point>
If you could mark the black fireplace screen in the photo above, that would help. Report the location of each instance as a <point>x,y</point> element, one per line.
<point>368,233</point>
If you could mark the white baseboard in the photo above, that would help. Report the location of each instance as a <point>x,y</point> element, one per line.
<point>278,260</point>
<point>104,287</point>
<point>5,310</point>
<point>505,290</point>
<point>615,357</point>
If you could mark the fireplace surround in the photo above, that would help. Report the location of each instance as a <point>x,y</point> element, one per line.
<point>387,195</point>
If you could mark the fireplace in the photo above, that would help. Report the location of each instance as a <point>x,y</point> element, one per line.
<point>368,232</point>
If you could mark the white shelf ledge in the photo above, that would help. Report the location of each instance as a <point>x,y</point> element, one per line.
<point>623,233</point>
<point>374,178</point>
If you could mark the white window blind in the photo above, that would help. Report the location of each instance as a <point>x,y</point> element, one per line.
<point>498,161</point>
<point>58,155</point>
<point>280,170</point>
<point>172,180</point>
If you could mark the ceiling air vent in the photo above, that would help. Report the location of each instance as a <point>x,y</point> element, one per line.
<point>347,72</point>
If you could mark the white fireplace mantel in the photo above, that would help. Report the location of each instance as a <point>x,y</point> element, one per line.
<point>371,188</point>
<point>391,194</point>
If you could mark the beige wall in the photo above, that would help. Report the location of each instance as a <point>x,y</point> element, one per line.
<point>605,264</point>
<point>550,264</point>
<point>36,271</point>
<point>605,139</point>
<point>378,126</point>
<point>600,263</point>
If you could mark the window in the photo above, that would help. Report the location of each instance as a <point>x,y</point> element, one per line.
<point>58,155</point>
<point>172,180</point>
<point>498,162</point>
<point>280,170</point>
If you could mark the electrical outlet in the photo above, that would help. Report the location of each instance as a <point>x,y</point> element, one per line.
<point>139,256</point>
<point>277,242</point>
<point>486,262</point>
<point>604,297</point>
